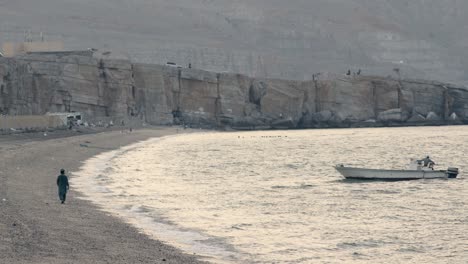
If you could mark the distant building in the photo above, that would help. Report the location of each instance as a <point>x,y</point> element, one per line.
<point>11,49</point>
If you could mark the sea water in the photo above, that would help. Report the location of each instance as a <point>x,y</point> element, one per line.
<point>274,197</point>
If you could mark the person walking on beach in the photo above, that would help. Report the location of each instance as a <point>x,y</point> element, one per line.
<point>63,186</point>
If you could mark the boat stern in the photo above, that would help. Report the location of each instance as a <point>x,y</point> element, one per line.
<point>452,172</point>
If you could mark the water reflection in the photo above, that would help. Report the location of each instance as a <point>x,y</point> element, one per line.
<point>263,197</point>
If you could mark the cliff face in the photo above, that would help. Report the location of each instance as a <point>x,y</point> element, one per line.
<point>65,81</point>
<point>38,83</point>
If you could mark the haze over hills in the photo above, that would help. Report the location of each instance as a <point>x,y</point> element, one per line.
<point>264,38</point>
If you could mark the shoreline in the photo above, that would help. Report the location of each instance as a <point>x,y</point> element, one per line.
<point>36,228</point>
<point>94,180</point>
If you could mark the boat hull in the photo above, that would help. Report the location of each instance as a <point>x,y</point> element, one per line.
<point>374,174</point>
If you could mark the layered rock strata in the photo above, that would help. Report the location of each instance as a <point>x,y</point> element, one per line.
<point>101,88</point>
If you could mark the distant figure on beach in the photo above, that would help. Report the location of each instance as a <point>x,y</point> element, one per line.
<point>359,72</point>
<point>348,73</point>
<point>63,186</point>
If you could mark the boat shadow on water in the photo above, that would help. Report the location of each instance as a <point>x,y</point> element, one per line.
<point>364,181</point>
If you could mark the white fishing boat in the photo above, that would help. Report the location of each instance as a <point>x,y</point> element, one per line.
<point>415,171</point>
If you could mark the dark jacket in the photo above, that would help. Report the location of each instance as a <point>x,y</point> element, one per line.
<point>427,161</point>
<point>62,183</point>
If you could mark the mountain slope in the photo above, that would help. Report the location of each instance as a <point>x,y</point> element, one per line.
<point>274,38</point>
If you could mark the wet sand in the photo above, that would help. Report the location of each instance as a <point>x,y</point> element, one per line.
<point>36,228</point>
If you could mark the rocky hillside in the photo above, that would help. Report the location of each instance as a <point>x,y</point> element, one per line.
<point>109,89</point>
<point>262,38</point>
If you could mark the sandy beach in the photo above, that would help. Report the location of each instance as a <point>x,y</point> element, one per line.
<point>36,228</point>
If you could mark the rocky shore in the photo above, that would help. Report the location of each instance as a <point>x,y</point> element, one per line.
<point>36,228</point>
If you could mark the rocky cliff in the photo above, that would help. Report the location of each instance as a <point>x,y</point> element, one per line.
<point>87,82</point>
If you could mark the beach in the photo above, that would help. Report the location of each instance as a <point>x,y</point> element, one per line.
<point>36,228</point>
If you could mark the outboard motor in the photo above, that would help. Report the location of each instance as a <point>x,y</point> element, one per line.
<point>452,172</point>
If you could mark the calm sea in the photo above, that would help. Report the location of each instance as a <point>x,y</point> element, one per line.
<point>274,197</point>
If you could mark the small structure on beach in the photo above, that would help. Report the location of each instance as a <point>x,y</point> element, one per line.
<point>18,123</point>
<point>70,119</point>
